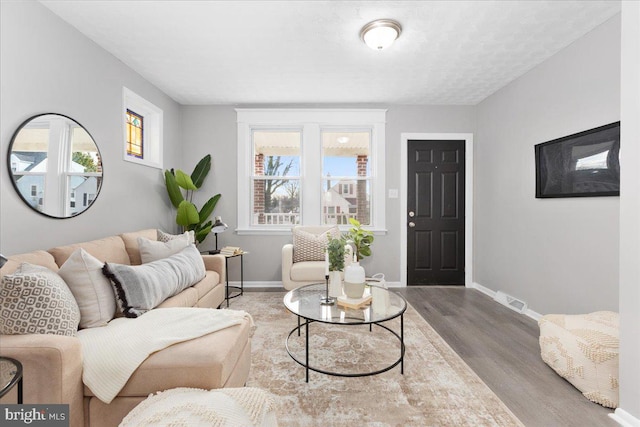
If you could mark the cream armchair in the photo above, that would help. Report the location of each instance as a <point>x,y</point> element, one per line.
<point>295,274</point>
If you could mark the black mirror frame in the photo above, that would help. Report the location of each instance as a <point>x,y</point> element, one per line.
<point>13,182</point>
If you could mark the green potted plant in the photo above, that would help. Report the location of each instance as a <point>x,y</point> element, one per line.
<point>188,216</point>
<point>335,254</point>
<point>360,238</point>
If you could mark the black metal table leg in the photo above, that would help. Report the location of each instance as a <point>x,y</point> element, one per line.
<point>226,267</point>
<point>20,392</point>
<point>402,344</point>
<point>241,274</point>
<point>306,348</point>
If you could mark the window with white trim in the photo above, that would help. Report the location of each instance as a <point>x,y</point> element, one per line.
<point>310,167</point>
<point>142,124</point>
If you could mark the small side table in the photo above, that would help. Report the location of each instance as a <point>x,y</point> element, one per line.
<point>238,290</point>
<point>10,375</point>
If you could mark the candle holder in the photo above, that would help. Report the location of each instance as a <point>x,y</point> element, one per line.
<point>327,300</point>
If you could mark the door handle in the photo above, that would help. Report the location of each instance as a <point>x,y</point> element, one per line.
<point>412,224</point>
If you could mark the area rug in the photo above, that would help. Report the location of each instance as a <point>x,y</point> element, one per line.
<point>437,388</point>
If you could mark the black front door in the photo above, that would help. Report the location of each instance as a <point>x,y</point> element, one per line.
<point>435,212</point>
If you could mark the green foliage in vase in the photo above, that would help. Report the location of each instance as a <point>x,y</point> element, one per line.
<point>336,254</point>
<point>360,238</point>
<point>188,216</point>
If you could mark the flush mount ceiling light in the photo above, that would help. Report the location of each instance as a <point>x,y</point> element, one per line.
<point>381,33</point>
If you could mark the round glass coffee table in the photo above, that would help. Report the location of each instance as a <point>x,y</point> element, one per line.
<point>10,375</point>
<point>304,302</point>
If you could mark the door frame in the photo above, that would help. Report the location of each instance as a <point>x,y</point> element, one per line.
<point>468,199</point>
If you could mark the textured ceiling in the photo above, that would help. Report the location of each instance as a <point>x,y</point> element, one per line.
<point>290,52</point>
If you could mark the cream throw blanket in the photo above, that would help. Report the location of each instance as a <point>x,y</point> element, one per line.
<point>112,353</point>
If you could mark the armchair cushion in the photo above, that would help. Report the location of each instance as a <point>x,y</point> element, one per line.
<point>308,246</point>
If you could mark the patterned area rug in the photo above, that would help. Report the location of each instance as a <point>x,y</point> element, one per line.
<point>437,388</point>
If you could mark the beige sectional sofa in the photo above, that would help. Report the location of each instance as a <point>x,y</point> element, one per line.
<point>53,363</point>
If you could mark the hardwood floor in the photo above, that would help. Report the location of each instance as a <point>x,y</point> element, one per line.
<point>501,346</point>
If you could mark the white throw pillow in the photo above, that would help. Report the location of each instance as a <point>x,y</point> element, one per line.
<point>93,292</point>
<point>152,250</point>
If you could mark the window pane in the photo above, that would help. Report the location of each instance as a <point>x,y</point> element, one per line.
<point>276,202</point>
<point>30,150</point>
<point>82,192</point>
<point>84,152</point>
<point>32,189</point>
<point>135,126</point>
<point>277,153</point>
<point>346,153</point>
<point>344,199</point>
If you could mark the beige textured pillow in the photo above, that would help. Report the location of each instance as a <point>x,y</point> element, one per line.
<point>152,250</point>
<point>311,247</point>
<point>92,291</point>
<point>35,300</point>
<point>165,237</point>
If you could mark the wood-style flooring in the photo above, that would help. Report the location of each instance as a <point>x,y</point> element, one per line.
<point>501,346</point>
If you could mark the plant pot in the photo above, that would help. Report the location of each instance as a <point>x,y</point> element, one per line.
<point>335,284</point>
<point>354,290</point>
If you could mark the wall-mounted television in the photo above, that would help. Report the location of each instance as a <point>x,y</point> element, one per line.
<point>584,164</point>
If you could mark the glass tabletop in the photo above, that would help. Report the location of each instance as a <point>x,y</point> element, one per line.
<point>305,302</point>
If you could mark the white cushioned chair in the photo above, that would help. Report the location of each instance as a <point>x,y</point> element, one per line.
<point>304,265</point>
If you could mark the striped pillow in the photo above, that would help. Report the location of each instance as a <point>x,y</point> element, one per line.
<point>140,288</point>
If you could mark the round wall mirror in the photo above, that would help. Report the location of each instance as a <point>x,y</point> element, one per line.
<point>55,165</point>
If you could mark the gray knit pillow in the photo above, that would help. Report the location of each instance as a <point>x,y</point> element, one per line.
<point>35,300</point>
<point>311,247</point>
<point>140,288</point>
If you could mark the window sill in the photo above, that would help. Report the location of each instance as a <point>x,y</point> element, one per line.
<point>287,231</point>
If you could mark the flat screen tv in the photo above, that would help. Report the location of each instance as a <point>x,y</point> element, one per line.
<point>584,164</point>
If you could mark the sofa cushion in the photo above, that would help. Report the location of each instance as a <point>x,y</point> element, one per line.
<point>35,300</point>
<point>309,246</point>
<point>142,287</point>
<point>153,250</point>
<point>92,290</point>
<point>38,257</point>
<point>308,270</point>
<point>131,243</point>
<point>205,362</point>
<point>109,249</point>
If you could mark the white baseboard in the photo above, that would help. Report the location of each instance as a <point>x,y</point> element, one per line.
<point>394,285</point>
<point>624,418</point>
<point>528,312</point>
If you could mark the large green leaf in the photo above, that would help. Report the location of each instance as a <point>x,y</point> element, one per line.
<point>202,233</point>
<point>208,208</point>
<point>184,180</point>
<point>201,170</point>
<point>173,189</point>
<point>187,214</point>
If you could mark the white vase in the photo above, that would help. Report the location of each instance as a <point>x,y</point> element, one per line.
<point>335,284</point>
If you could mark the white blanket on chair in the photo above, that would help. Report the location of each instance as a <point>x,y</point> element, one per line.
<point>112,353</point>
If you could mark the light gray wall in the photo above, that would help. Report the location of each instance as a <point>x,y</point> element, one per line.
<point>48,66</point>
<point>212,129</point>
<point>630,214</point>
<point>559,255</point>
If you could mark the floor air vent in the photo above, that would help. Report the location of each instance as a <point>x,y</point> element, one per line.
<point>511,302</point>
